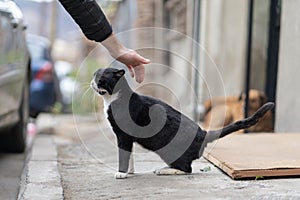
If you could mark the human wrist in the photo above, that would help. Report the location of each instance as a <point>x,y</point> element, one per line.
<point>114,47</point>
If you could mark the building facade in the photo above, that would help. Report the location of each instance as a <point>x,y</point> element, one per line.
<point>185,70</point>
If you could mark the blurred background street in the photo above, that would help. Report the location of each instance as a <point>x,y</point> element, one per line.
<point>200,51</point>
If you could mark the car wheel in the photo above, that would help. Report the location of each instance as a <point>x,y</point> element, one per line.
<point>15,139</point>
<point>33,113</point>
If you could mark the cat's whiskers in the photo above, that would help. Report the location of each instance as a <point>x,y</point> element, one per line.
<point>85,85</point>
<point>88,93</point>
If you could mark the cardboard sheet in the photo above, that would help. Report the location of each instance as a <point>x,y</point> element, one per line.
<point>256,155</point>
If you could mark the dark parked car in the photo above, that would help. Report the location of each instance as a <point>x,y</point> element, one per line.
<point>44,88</point>
<point>14,78</point>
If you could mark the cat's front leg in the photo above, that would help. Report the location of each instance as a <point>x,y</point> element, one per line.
<point>124,157</point>
<point>131,163</point>
<point>125,148</point>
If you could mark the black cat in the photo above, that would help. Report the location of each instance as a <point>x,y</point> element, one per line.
<point>155,125</point>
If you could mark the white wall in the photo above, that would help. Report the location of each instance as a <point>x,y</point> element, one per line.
<point>225,31</point>
<point>288,98</point>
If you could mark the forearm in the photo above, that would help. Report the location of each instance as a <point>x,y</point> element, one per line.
<point>89,16</point>
<point>114,47</point>
<point>93,23</point>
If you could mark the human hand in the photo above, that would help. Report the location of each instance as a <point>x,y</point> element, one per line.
<point>129,57</point>
<point>135,63</point>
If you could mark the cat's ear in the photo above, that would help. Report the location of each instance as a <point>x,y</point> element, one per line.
<point>120,73</point>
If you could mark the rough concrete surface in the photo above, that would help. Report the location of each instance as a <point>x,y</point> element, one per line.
<point>41,179</point>
<point>87,161</point>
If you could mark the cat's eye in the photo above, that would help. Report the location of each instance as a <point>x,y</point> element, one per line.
<point>100,82</point>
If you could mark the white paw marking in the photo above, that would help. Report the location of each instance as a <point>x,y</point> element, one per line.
<point>120,175</point>
<point>169,171</point>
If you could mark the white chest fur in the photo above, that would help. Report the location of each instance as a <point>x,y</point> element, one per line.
<point>107,100</point>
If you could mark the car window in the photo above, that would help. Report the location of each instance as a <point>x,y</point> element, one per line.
<point>36,51</point>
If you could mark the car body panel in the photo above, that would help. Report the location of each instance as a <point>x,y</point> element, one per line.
<point>14,62</point>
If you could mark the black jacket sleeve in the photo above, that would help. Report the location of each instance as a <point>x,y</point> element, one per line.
<point>90,18</point>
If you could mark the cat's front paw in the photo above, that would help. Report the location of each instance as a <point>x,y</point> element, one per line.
<point>121,175</point>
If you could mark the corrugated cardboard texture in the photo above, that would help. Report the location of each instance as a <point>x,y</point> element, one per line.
<point>256,155</point>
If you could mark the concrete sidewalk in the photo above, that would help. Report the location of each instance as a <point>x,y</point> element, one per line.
<point>86,160</point>
<point>41,178</point>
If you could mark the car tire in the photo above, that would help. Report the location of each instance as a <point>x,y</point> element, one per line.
<point>33,113</point>
<point>15,139</point>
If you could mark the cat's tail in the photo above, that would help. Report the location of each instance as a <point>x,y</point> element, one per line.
<point>242,124</point>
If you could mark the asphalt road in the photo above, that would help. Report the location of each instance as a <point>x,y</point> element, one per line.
<point>11,166</point>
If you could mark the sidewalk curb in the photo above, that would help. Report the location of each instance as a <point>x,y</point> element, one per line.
<point>40,178</point>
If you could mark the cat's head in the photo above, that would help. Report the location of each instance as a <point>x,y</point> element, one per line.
<point>105,80</point>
